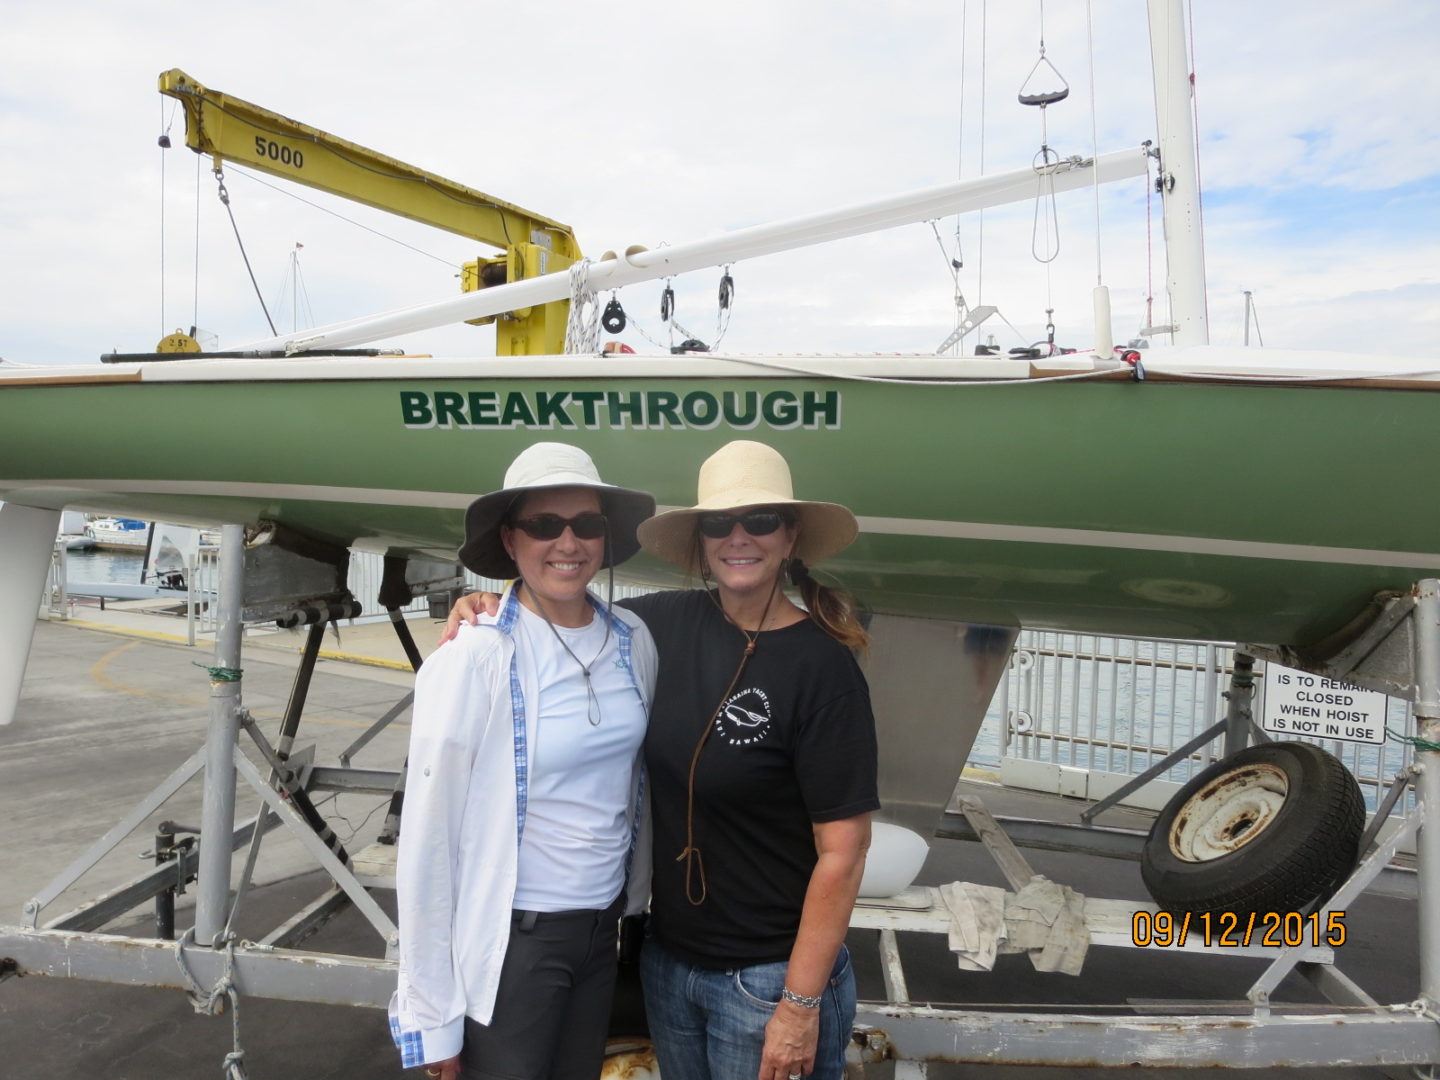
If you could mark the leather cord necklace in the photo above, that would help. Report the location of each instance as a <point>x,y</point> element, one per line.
<point>694,861</point>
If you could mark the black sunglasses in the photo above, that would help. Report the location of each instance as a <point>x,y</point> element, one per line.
<point>754,522</point>
<point>587,526</point>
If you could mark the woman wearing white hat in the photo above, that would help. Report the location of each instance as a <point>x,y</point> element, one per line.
<point>761,761</point>
<point>522,803</point>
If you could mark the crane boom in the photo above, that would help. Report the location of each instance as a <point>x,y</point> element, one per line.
<point>234,130</point>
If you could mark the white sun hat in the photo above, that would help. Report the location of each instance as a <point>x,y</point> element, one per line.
<point>549,465</point>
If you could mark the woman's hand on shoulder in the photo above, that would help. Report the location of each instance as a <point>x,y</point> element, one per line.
<point>468,609</point>
<point>791,1036</point>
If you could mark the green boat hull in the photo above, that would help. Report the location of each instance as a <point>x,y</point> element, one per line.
<point>1183,509</point>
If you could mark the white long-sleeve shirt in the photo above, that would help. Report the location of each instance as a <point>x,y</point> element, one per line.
<point>471,747</point>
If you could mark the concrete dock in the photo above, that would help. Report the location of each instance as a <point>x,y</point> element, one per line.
<point>113,702</point>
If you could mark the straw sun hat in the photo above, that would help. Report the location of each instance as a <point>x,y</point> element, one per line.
<point>549,465</point>
<point>747,474</point>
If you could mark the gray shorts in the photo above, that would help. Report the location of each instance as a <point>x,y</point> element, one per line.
<point>552,1011</point>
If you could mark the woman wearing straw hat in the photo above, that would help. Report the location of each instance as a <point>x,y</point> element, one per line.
<point>761,761</point>
<point>522,803</point>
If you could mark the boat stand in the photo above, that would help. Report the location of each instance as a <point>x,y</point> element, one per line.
<point>299,584</point>
<point>1260,1033</point>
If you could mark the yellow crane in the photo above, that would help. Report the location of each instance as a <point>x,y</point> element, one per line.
<point>231,129</point>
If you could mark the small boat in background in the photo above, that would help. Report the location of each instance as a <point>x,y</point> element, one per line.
<point>129,534</point>
<point>72,531</point>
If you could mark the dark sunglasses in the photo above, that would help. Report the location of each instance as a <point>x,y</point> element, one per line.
<point>754,522</point>
<point>587,526</point>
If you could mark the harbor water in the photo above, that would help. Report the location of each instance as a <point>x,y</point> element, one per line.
<point>111,567</point>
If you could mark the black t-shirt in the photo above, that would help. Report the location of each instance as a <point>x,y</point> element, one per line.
<point>793,745</point>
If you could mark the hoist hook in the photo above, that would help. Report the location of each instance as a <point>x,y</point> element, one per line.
<point>1036,96</point>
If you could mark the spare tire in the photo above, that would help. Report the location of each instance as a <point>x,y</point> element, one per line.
<point>1275,827</point>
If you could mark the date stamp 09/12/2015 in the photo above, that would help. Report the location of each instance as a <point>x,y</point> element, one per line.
<point>1228,929</point>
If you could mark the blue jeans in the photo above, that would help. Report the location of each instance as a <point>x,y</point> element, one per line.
<point>709,1024</point>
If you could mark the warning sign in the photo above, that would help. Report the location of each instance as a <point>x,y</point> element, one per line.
<point>1298,703</point>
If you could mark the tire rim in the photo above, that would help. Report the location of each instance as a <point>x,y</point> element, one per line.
<point>1229,812</point>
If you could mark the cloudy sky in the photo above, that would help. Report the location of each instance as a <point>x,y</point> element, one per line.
<point>645,123</point>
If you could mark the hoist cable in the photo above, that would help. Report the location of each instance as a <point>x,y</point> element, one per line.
<point>1044,179</point>
<point>195,277</point>
<point>225,199</point>
<point>349,221</point>
<point>164,325</point>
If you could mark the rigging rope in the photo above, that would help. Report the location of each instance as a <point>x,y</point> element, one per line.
<point>1094,136</point>
<point>725,301</point>
<point>960,135</point>
<point>1149,238</point>
<point>1252,314</point>
<point>675,324</point>
<point>955,262</point>
<point>1111,372</point>
<point>1195,125</point>
<point>980,238</point>
<point>1414,741</point>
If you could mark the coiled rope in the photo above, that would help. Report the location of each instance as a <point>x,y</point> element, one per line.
<point>582,328</point>
<point>212,1002</point>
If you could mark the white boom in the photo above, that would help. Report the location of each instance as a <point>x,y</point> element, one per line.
<point>641,264</point>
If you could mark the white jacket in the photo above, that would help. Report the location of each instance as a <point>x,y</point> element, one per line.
<point>456,866</point>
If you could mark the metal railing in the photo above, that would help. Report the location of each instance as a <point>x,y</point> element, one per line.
<point>57,599</point>
<point>1120,705</point>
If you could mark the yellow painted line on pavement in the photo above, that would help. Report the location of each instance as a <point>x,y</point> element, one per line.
<point>368,661</point>
<point>124,631</point>
<point>99,674</point>
<point>156,635</point>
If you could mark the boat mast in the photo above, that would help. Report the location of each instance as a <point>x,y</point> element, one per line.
<point>1178,178</point>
